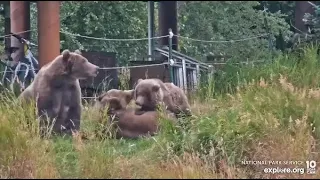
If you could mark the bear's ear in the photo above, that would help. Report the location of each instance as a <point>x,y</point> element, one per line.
<point>65,55</point>
<point>139,80</point>
<point>114,103</point>
<point>101,96</point>
<point>78,52</point>
<point>129,95</point>
<point>155,87</point>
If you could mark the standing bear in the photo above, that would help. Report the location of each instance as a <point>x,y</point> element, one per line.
<point>57,92</point>
<point>150,93</point>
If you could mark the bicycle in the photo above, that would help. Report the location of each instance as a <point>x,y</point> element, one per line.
<point>25,70</point>
<point>8,64</point>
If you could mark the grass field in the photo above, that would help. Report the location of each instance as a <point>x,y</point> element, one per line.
<point>270,112</point>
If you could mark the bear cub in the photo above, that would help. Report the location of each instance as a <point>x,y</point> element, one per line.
<point>150,93</point>
<point>121,99</point>
<point>128,122</point>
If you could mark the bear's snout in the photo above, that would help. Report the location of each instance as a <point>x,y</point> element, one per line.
<point>145,105</point>
<point>94,70</point>
<point>138,103</point>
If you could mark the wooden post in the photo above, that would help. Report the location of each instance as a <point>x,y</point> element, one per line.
<point>198,74</point>
<point>180,77</point>
<point>150,28</point>
<point>49,31</point>
<point>301,8</point>
<point>184,70</point>
<point>168,20</point>
<point>20,21</point>
<point>170,55</point>
<point>7,23</point>
<point>194,79</point>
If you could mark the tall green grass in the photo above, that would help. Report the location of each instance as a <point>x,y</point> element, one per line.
<point>301,70</point>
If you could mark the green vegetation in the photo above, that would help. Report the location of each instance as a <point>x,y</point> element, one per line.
<point>215,20</point>
<point>272,113</point>
<point>265,111</point>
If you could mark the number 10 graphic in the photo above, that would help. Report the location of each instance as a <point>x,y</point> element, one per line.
<point>311,167</point>
<point>311,164</point>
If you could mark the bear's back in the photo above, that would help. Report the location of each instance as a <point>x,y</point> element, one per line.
<point>142,122</point>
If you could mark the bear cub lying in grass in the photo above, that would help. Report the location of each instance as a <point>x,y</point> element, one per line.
<point>128,122</point>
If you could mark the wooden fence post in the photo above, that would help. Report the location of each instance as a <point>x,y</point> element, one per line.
<point>170,55</point>
<point>194,79</point>
<point>184,70</point>
<point>198,75</point>
<point>180,77</point>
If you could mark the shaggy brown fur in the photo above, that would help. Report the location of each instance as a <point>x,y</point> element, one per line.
<point>123,97</point>
<point>179,98</point>
<point>149,93</point>
<point>57,92</point>
<point>132,123</point>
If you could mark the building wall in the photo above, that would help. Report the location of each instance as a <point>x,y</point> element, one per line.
<point>160,72</point>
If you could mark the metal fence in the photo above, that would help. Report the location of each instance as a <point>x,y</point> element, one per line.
<point>186,71</point>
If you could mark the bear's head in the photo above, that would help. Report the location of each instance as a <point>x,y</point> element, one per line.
<point>148,93</point>
<point>115,99</point>
<point>78,66</point>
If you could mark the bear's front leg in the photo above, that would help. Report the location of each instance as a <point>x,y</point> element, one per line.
<point>72,121</point>
<point>170,105</point>
<point>44,122</point>
<point>48,115</point>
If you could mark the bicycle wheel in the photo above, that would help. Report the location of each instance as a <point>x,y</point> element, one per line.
<point>22,75</point>
<point>30,62</point>
<point>7,77</point>
<point>29,78</point>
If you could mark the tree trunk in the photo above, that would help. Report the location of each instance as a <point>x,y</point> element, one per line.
<point>301,8</point>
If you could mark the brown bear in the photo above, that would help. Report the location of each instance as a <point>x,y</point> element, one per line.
<point>123,97</point>
<point>149,93</point>
<point>56,90</point>
<point>131,123</point>
<point>179,98</point>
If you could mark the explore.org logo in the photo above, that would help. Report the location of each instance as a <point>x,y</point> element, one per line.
<point>283,170</point>
<point>305,166</point>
